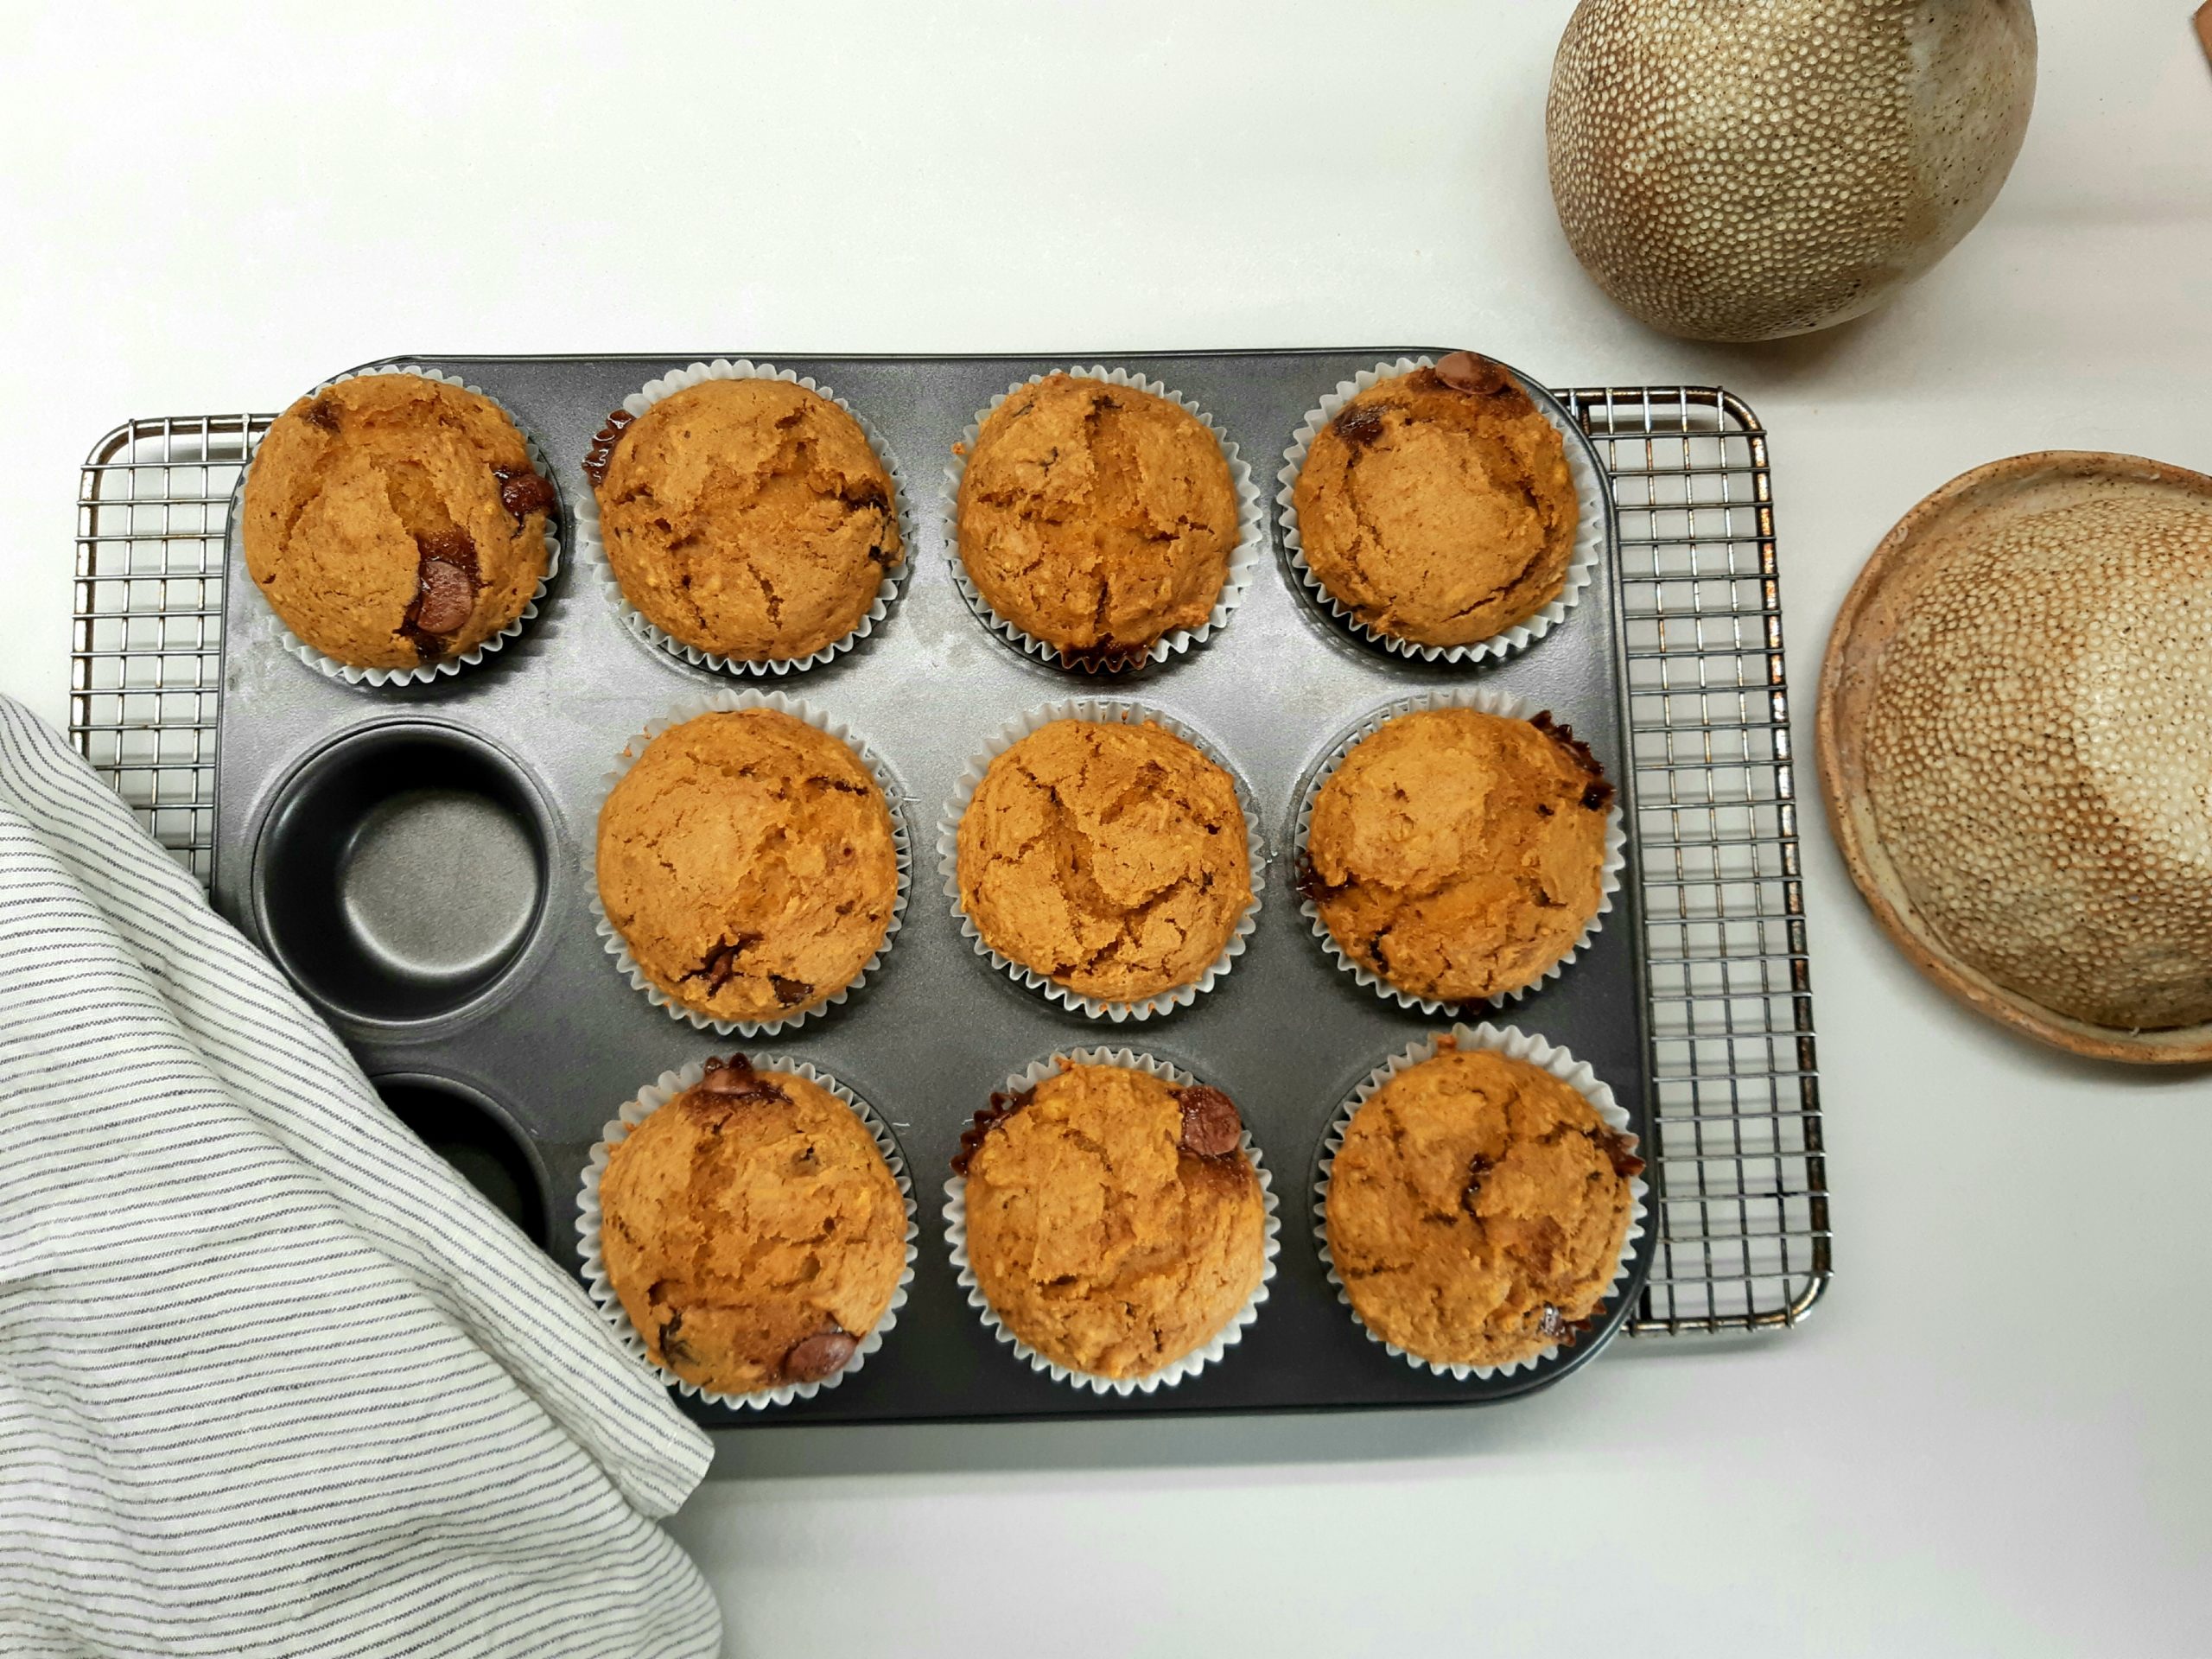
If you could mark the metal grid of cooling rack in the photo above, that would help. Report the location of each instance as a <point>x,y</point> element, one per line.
<point>1741,1179</point>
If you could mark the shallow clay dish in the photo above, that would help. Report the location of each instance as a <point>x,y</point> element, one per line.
<point>2015,735</point>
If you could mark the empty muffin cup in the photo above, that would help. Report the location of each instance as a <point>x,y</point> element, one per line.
<point>346,887</point>
<point>476,1137</point>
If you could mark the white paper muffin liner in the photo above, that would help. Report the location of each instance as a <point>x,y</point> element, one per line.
<point>1593,528</point>
<point>730,702</point>
<point>1232,1333</point>
<point>617,1129</point>
<point>1121,711</point>
<point>1513,1044</point>
<point>425,673</point>
<point>1490,703</point>
<point>591,545</point>
<point>1243,559</point>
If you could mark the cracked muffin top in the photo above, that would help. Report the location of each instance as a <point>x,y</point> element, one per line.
<point>752,1229</point>
<point>1097,518</point>
<point>1110,858</point>
<point>392,520</point>
<point>1477,1209</point>
<point>1458,854</point>
<point>746,859</point>
<point>1114,1223</point>
<point>1437,506</point>
<point>749,519</point>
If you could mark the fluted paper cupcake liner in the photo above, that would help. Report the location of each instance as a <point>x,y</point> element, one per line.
<point>1175,1370</point>
<point>902,843</point>
<point>1513,1044</point>
<point>1244,558</point>
<point>1123,711</point>
<point>1592,529</point>
<point>426,673</point>
<point>635,1111</point>
<point>1489,703</point>
<point>591,547</point>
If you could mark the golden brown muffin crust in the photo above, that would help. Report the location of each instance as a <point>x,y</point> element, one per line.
<point>1458,854</point>
<point>1437,506</point>
<point>1111,858</point>
<point>749,519</point>
<point>1097,518</point>
<point>392,520</point>
<point>1477,1210</point>
<point>1097,1233</point>
<point>748,861</point>
<point>752,1229</point>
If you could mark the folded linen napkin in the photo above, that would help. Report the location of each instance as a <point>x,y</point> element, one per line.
<point>273,1379</point>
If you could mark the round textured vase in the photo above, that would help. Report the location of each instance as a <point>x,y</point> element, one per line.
<point>1744,169</point>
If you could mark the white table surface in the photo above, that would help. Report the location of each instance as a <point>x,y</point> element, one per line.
<point>1992,1436</point>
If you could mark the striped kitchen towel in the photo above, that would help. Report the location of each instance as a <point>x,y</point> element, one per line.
<point>273,1380</point>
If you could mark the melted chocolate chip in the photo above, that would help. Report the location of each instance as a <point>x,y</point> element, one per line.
<point>1310,884</point>
<point>1471,372</point>
<point>601,451</point>
<point>1619,1151</point>
<point>522,492</point>
<point>1598,794</point>
<point>825,1354</point>
<point>1211,1126</point>
<point>867,493</point>
<point>446,584</point>
<point>720,963</point>
<point>789,993</point>
<point>1477,1166</point>
<point>735,1079</point>
<point>1357,426</point>
<point>1002,1107</point>
<point>322,413</point>
<point>671,1345</point>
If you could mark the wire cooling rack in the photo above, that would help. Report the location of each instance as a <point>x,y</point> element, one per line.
<point>1741,1180</point>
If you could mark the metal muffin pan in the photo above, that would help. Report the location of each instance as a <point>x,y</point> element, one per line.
<point>416,858</point>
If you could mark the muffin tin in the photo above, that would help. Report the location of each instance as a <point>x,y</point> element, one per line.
<point>416,858</point>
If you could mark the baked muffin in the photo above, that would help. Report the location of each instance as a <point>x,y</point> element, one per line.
<point>1097,518</point>
<point>746,859</point>
<point>1458,854</point>
<point>1114,1223</point>
<point>392,520</point>
<point>752,1229</point>
<point>749,519</point>
<point>1111,858</point>
<point>1437,506</point>
<point>1477,1210</point>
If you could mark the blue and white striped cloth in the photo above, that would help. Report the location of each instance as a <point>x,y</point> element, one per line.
<point>273,1380</point>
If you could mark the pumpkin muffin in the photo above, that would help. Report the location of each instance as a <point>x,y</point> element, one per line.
<point>1110,858</point>
<point>750,520</point>
<point>1114,1223</point>
<point>1457,854</point>
<point>1097,518</point>
<point>1437,506</point>
<point>748,861</point>
<point>1477,1209</point>
<point>752,1230</point>
<point>392,520</point>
